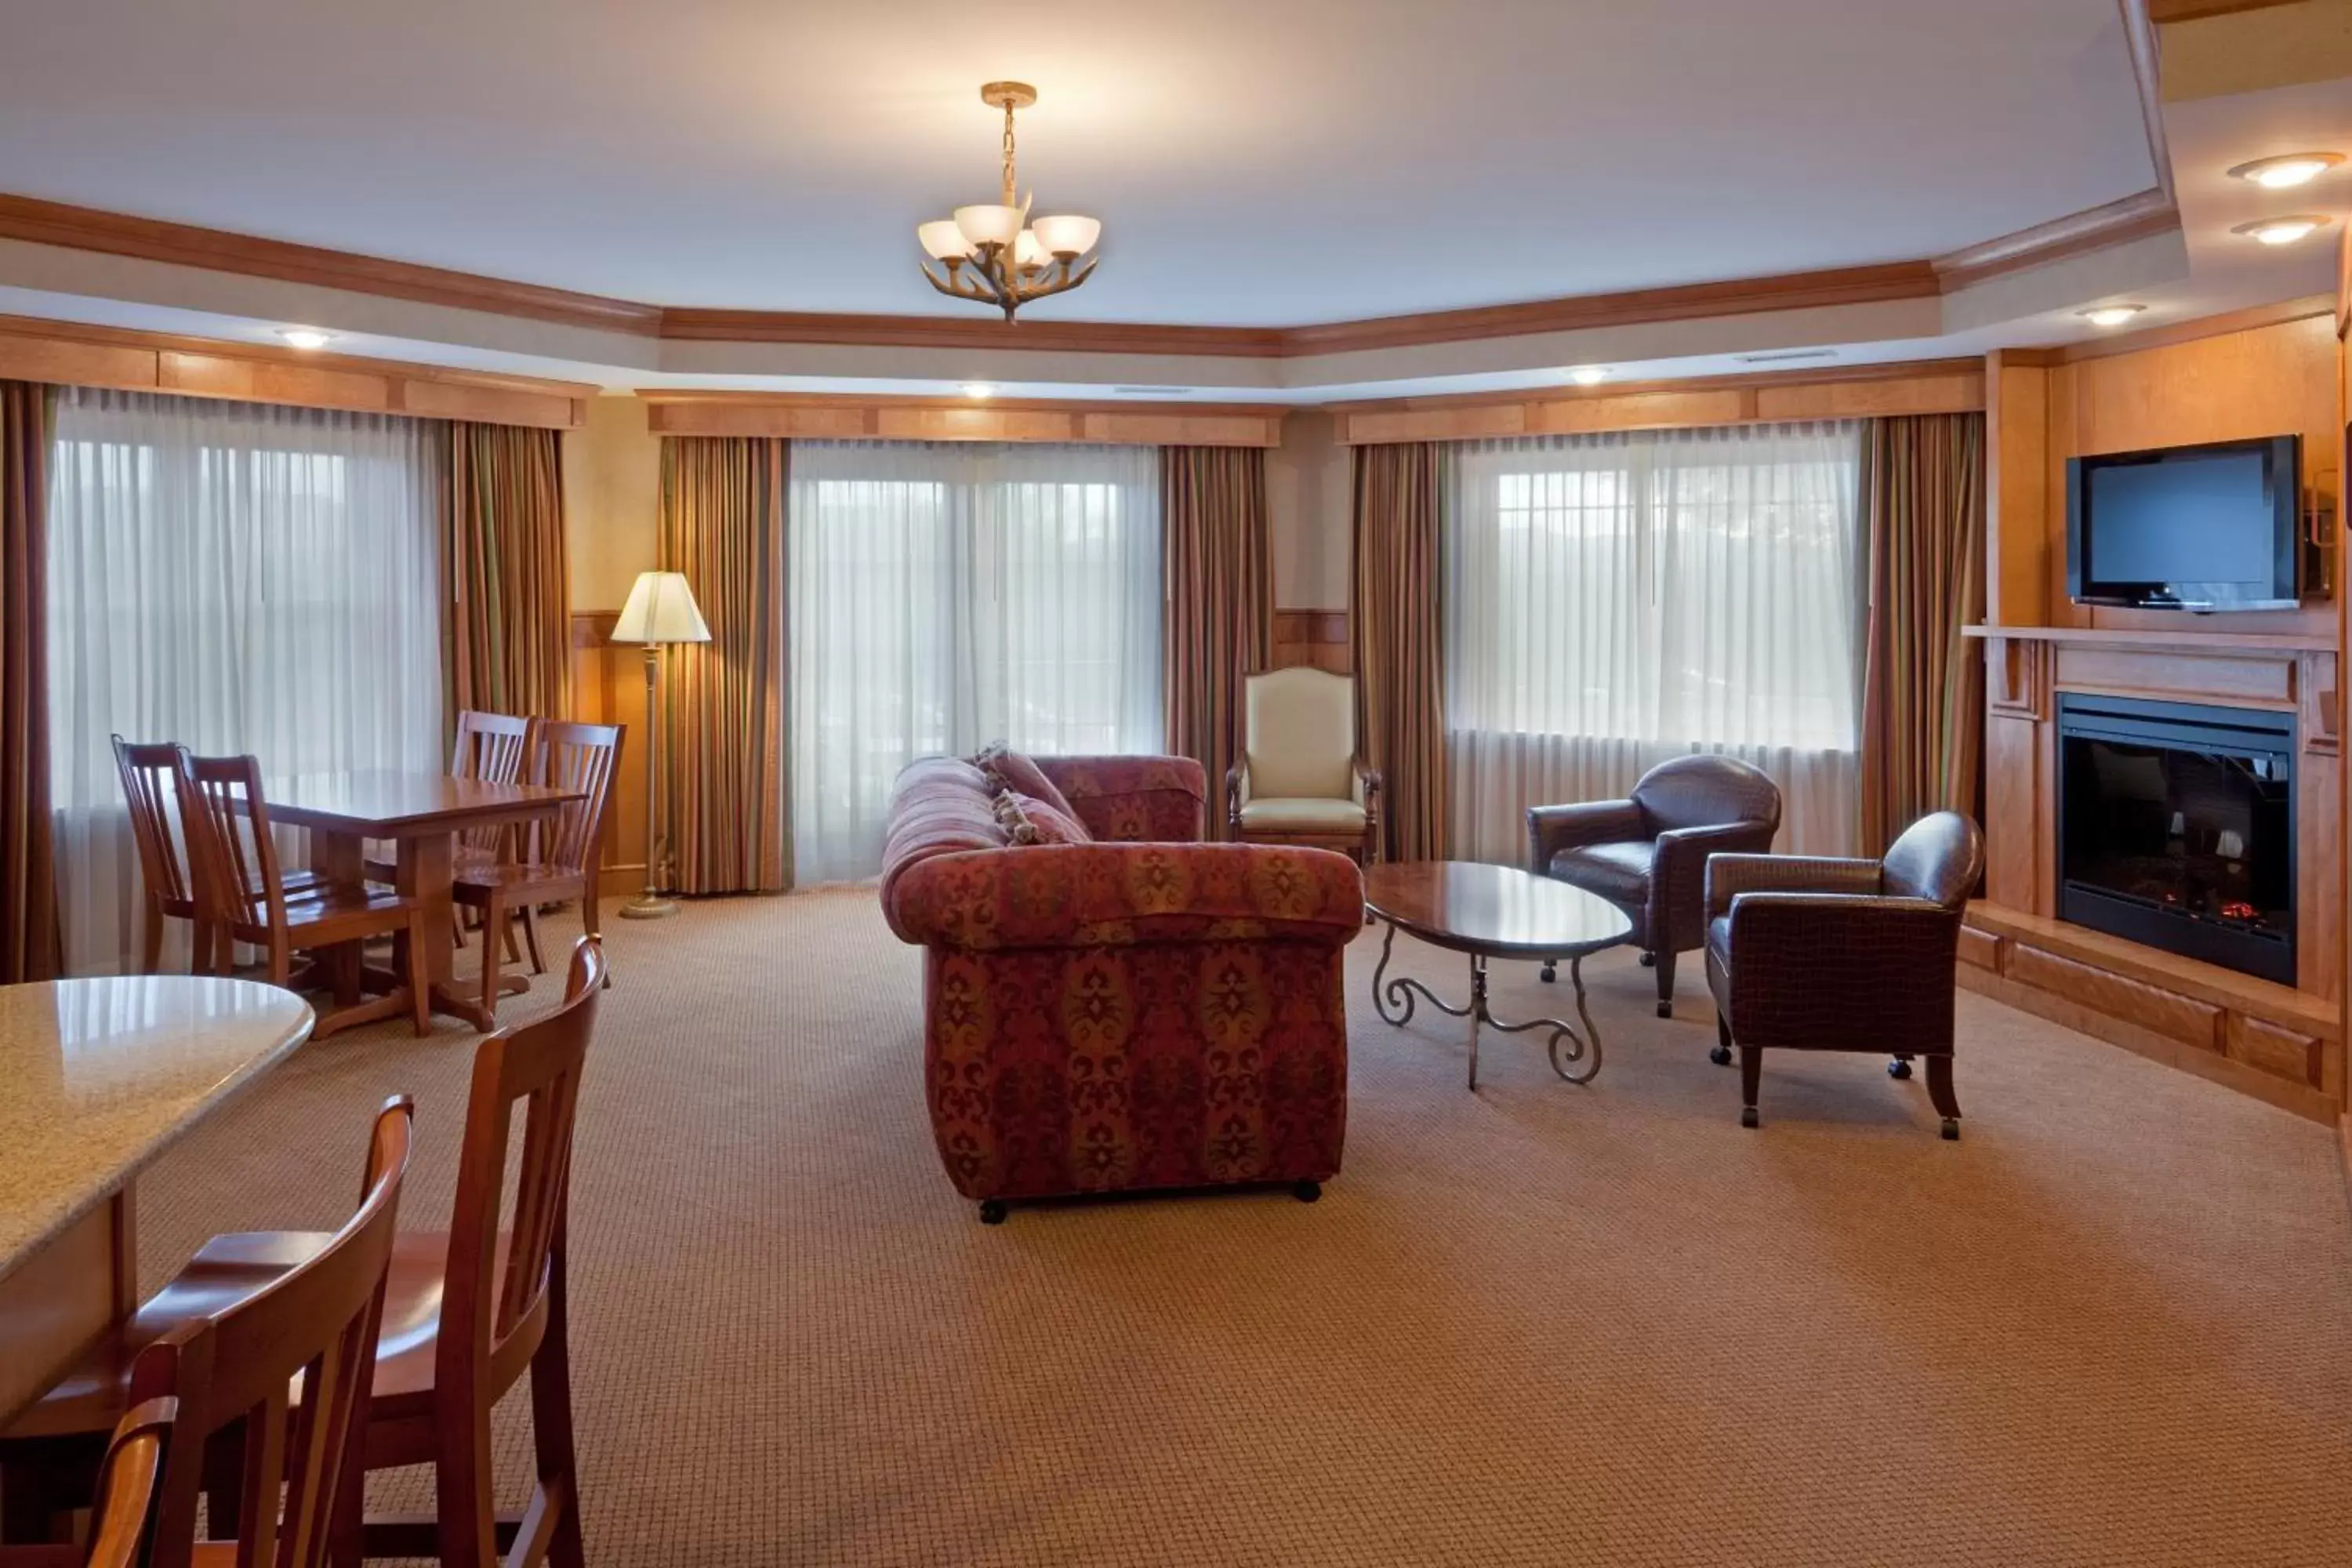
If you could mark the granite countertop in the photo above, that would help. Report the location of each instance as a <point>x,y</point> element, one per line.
<point>98,1076</point>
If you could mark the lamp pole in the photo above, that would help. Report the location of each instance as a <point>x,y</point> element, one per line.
<point>661,609</point>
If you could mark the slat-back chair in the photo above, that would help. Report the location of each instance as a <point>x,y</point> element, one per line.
<point>565,857</point>
<point>150,788</point>
<point>320,1320</point>
<point>494,747</point>
<point>227,819</point>
<point>123,1518</point>
<point>473,1310</point>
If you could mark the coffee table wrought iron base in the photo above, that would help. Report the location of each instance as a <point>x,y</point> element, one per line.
<point>1574,1056</point>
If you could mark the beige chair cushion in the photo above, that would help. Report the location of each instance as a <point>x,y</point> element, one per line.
<point>1300,735</point>
<point>1294,816</point>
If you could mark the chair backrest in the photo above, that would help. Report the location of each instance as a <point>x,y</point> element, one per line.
<point>1298,734</point>
<point>495,747</point>
<point>1705,791</point>
<point>318,1322</point>
<point>582,757</point>
<point>494,1309</point>
<point>1937,858</point>
<point>151,786</point>
<point>229,844</point>
<point>123,1516</point>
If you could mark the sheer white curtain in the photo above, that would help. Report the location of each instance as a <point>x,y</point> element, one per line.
<point>947,596</point>
<point>237,578</point>
<point>1611,601</point>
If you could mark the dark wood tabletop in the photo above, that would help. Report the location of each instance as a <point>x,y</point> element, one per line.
<point>1495,910</point>
<point>389,804</point>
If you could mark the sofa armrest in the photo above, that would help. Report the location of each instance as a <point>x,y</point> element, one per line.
<point>1729,876</point>
<point>1552,828</point>
<point>1124,799</point>
<point>1120,895</point>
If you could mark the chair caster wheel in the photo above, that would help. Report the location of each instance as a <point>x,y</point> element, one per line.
<point>1952,1129</point>
<point>1649,961</point>
<point>1898,1067</point>
<point>992,1211</point>
<point>1720,1056</point>
<point>1549,973</point>
<point>1665,1009</point>
<point>1748,1116</point>
<point>1306,1191</point>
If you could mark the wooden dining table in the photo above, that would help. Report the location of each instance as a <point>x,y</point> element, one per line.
<point>101,1075</point>
<point>422,814</point>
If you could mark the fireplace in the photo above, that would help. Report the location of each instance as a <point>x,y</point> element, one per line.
<point>2176,828</point>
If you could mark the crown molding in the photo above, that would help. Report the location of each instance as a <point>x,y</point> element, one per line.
<point>2135,217</point>
<point>2197,10</point>
<point>124,359</point>
<point>857,418</point>
<point>2253,318</point>
<point>1034,335</point>
<point>39,222</point>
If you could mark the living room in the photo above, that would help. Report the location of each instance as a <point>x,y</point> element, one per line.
<point>1007,831</point>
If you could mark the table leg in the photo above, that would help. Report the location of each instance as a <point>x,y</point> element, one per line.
<point>1477,1011</point>
<point>1579,1046</point>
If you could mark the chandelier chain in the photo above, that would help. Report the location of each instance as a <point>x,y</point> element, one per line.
<point>1009,182</point>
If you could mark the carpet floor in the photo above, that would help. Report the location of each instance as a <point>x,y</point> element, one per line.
<point>1539,1324</point>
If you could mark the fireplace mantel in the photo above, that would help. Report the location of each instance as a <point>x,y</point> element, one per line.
<point>2233,1026</point>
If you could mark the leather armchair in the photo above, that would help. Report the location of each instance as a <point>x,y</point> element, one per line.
<point>1299,781</point>
<point>1842,955</point>
<point>1648,855</point>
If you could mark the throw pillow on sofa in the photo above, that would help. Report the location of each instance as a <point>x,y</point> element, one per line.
<point>1028,820</point>
<point>1008,770</point>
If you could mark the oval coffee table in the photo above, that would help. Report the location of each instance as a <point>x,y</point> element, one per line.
<point>1493,911</point>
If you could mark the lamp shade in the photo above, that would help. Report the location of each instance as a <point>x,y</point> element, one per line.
<point>661,609</point>
<point>943,239</point>
<point>1068,236</point>
<point>989,225</point>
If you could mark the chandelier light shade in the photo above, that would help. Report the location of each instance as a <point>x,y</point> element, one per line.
<point>992,253</point>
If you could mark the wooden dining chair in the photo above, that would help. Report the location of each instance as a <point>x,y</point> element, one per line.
<point>244,899</point>
<point>557,861</point>
<point>123,1510</point>
<point>493,747</point>
<point>233,1372</point>
<point>151,787</point>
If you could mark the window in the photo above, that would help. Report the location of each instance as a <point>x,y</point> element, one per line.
<point>237,578</point>
<point>947,596</point>
<point>1611,601</point>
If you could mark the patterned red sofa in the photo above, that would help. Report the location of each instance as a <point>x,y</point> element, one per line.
<point>1140,1010</point>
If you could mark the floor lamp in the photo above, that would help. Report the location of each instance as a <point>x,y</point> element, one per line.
<point>660,610</point>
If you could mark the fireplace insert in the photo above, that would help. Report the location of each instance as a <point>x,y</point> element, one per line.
<point>2176,828</point>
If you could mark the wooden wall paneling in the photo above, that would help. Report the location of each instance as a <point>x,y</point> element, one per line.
<point>2017,515</point>
<point>608,687</point>
<point>2168,1013</point>
<point>1318,637</point>
<point>973,424</point>
<point>262,380</point>
<point>487,404</point>
<point>2184,676</point>
<point>1642,410</point>
<point>66,363</point>
<point>1953,394</point>
<point>2017,700</point>
<point>1490,421</point>
<point>1181,430</point>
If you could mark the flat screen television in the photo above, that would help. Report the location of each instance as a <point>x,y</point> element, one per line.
<point>2212,527</point>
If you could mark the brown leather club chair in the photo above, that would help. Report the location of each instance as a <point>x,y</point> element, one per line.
<point>1648,855</point>
<point>1808,954</point>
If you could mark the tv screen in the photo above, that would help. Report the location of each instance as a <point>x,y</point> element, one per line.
<point>2194,528</point>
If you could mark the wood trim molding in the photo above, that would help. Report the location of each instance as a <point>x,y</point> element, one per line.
<point>2246,320</point>
<point>124,359</point>
<point>1851,392</point>
<point>2147,62</point>
<point>1033,336</point>
<point>2195,10</point>
<point>847,417</point>
<point>217,251</point>
<point>2119,222</point>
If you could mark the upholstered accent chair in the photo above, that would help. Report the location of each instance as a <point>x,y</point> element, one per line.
<point>1808,954</point>
<point>1299,781</point>
<point>1648,855</point>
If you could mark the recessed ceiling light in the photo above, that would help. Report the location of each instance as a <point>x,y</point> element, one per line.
<point>2281,231</point>
<point>1589,375</point>
<point>2110,315</point>
<point>306,337</point>
<point>979,389</point>
<point>2288,169</point>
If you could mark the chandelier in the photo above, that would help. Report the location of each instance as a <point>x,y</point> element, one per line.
<point>992,254</point>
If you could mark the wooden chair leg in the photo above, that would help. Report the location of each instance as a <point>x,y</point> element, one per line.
<point>550,1428</point>
<point>1666,982</point>
<point>1939,1089</point>
<point>281,961</point>
<point>531,938</point>
<point>507,935</point>
<point>495,925</point>
<point>592,918</point>
<point>1751,1076</point>
<point>151,943</point>
<point>420,976</point>
<point>461,1494</point>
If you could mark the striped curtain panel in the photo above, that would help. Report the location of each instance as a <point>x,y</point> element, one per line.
<point>719,787</point>
<point>1923,499</point>
<point>511,630</point>
<point>1219,622</point>
<point>28,882</point>
<point>1398,644</point>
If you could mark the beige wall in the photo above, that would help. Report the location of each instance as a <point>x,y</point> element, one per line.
<point>612,479</point>
<point>1309,504</point>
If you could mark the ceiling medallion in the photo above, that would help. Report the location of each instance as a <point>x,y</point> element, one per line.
<point>992,254</point>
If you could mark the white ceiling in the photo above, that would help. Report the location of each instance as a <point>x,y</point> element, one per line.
<point>1255,161</point>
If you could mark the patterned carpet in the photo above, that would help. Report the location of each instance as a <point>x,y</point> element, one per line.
<point>1540,1325</point>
